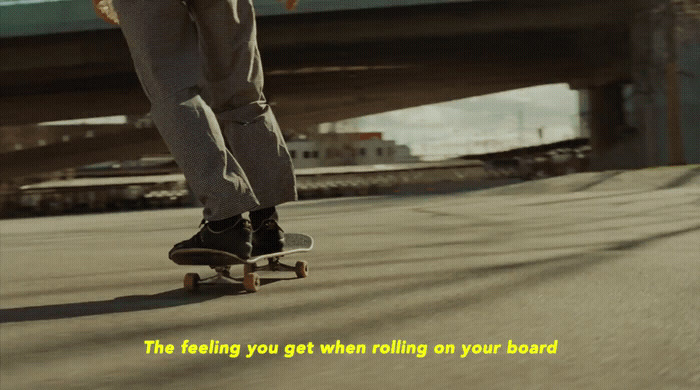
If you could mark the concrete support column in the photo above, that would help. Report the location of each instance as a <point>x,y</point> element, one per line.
<point>605,116</point>
<point>665,53</point>
<point>615,144</point>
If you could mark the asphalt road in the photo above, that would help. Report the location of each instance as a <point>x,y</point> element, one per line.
<point>607,265</point>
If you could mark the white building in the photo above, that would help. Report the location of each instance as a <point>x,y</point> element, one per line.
<point>333,149</point>
<point>305,153</point>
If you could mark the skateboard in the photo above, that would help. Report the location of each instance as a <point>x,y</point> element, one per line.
<point>221,262</point>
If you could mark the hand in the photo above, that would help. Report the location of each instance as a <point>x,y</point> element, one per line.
<point>290,4</point>
<point>105,10</point>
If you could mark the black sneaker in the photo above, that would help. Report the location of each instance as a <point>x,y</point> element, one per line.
<point>268,238</point>
<point>235,239</point>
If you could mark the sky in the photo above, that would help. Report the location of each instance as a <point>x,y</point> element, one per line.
<point>480,124</point>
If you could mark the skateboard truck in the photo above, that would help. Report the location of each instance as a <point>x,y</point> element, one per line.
<point>192,281</point>
<point>274,264</point>
<point>251,280</point>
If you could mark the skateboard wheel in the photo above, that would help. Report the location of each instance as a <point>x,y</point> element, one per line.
<point>191,282</point>
<point>302,269</point>
<point>248,269</point>
<point>251,282</point>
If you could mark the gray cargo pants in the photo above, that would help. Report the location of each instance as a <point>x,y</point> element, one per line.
<point>200,67</point>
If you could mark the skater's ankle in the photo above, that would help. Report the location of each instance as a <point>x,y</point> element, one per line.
<point>224,224</point>
<point>257,217</point>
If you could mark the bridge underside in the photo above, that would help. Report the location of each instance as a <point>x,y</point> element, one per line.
<point>333,66</point>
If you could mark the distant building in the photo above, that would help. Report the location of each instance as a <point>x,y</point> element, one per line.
<point>334,149</point>
<point>14,138</point>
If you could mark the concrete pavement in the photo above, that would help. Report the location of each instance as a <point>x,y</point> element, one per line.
<point>607,264</point>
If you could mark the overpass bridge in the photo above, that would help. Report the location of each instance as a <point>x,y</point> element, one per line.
<point>334,60</point>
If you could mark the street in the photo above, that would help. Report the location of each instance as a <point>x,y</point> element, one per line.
<point>597,274</point>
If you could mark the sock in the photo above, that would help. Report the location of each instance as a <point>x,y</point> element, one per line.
<point>224,224</point>
<point>257,217</point>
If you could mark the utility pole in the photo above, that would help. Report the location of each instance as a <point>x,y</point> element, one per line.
<point>675,137</point>
<point>520,128</point>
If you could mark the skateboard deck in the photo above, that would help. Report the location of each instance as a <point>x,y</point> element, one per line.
<point>221,262</point>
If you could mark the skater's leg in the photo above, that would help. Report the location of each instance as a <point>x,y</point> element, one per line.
<point>163,42</point>
<point>233,82</point>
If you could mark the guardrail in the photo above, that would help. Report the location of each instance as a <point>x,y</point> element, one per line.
<point>136,192</point>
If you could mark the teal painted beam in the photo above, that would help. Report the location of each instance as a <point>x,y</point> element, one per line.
<point>40,17</point>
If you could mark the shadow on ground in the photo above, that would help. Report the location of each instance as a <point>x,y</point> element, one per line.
<point>172,298</point>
